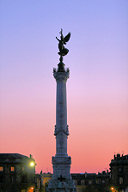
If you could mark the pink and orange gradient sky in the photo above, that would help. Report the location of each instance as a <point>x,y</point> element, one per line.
<point>97,90</point>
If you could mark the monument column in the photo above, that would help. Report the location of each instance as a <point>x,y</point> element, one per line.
<point>61,179</point>
<point>61,161</point>
<point>61,128</point>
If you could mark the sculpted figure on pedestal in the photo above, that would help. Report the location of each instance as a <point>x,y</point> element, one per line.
<point>62,41</point>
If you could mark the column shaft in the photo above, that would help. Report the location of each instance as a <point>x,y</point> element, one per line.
<point>61,119</point>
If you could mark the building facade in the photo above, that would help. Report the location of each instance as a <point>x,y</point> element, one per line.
<point>17,173</point>
<point>119,172</point>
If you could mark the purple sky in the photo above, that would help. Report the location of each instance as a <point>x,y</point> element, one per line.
<point>97,89</point>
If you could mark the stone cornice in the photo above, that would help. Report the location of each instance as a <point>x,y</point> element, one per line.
<point>61,76</point>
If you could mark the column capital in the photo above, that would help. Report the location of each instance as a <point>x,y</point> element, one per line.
<point>61,75</point>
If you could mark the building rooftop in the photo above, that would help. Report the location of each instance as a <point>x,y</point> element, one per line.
<point>12,157</point>
<point>119,159</point>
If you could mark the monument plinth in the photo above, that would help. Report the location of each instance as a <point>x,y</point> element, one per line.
<point>61,179</point>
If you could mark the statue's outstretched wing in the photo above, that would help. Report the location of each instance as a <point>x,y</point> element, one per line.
<point>67,37</point>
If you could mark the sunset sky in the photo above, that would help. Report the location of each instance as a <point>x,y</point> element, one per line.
<point>97,90</point>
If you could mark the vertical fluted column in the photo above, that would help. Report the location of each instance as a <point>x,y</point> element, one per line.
<point>61,128</point>
<point>61,180</point>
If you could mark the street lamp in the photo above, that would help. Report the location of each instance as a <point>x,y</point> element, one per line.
<point>32,163</point>
<point>31,189</point>
<point>113,189</point>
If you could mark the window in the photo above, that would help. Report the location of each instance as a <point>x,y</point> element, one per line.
<point>82,182</point>
<point>75,182</point>
<point>1,178</point>
<point>12,169</point>
<point>1,168</point>
<point>22,168</point>
<point>90,182</point>
<point>97,181</point>
<point>120,169</point>
<point>12,180</point>
<point>120,180</point>
<point>103,181</point>
<point>24,179</point>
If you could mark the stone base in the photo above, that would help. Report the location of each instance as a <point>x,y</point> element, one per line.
<point>61,167</point>
<point>61,186</point>
<point>61,180</point>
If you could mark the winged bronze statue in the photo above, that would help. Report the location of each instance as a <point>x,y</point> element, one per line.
<point>62,41</point>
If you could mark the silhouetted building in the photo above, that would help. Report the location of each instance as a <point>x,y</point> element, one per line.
<point>17,172</point>
<point>103,178</point>
<point>46,177</point>
<point>91,178</point>
<point>119,172</point>
<point>38,183</point>
<point>91,181</point>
